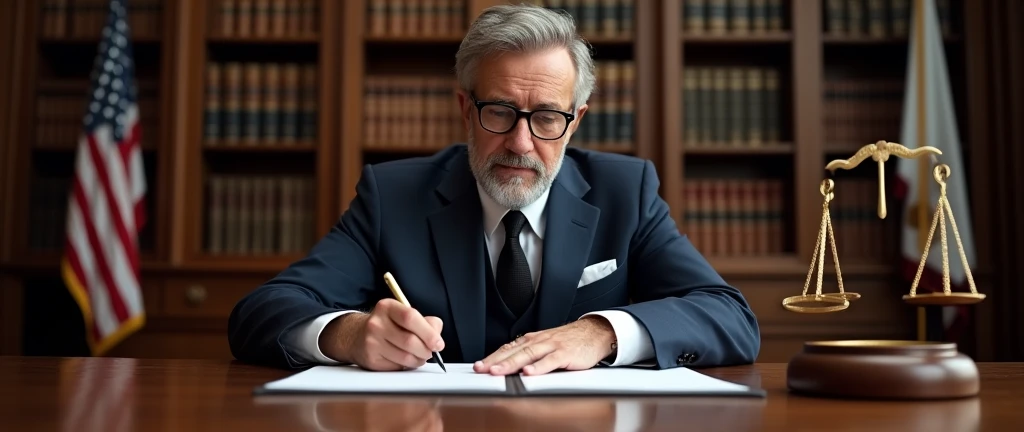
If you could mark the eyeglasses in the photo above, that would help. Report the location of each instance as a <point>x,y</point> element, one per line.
<point>499,118</point>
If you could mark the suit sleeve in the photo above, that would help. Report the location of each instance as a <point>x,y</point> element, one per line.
<point>336,275</point>
<point>693,316</point>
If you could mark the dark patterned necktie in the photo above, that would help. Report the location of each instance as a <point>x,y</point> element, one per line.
<point>513,279</point>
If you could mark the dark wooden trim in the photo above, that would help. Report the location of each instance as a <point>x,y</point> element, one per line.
<point>185,67</point>
<point>326,187</point>
<point>23,129</point>
<point>975,29</point>
<point>7,143</point>
<point>806,82</point>
<point>351,93</point>
<point>672,175</point>
<point>195,180</point>
<point>645,53</point>
<point>166,133</point>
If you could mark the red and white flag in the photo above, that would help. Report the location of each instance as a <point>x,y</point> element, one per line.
<point>937,114</point>
<point>106,210</point>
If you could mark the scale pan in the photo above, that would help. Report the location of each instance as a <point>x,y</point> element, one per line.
<point>942,299</point>
<point>816,303</point>
<point>851,296</point>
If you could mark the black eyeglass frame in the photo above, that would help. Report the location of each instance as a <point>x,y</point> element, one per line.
<point>569,117</point>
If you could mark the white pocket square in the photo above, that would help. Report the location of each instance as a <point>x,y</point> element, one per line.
<point>596,272</point>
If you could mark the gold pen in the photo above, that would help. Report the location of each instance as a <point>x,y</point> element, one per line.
<point>390,280</point>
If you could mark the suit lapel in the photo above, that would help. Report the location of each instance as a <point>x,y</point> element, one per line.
<point>571,223</point>
<point>457,231</point>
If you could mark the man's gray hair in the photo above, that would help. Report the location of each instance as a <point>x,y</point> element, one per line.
<point>524,28</point>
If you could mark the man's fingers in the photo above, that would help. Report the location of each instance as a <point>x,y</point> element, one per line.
<point>502,353</point>
<point>396,355</point>
<point>526,355</point>
<point>411,320</point>
<point>375,359</point>
<point>506,350</point>
<point>548,363</point>
<point>436,323</point>
<point>407,342</point>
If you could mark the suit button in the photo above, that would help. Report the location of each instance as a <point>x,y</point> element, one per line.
<point>518,336</point>
<point>681,360</point>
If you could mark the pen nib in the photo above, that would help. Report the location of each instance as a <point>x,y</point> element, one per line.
<point>437,359</point>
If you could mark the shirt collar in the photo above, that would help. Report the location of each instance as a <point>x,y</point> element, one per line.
<point>493,212</point>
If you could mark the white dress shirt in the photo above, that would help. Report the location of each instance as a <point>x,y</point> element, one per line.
<point>634,342</point>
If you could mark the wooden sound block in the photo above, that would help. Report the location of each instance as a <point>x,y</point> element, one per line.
<point>882,369</point>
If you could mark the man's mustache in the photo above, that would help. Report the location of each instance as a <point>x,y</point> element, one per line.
<point>515,161</point>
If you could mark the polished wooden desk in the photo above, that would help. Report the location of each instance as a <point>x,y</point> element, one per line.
<point>81,394</point>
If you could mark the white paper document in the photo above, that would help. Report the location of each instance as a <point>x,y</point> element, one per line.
<point>630,381</point>
<point>429,378</point>
<point>462,380</point>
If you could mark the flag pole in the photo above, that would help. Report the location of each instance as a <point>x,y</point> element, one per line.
<point>923,196</point>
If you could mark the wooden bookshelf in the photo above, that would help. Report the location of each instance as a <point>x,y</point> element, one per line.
<point>765,38</point>
<point>339,41</point>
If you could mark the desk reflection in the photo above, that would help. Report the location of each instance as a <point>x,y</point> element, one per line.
<point>126,394</point>
<point>348,413</point>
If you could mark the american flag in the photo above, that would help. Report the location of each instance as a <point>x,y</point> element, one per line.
<point>106,209</point>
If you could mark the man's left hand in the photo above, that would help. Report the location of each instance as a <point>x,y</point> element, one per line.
<point>575,346</point>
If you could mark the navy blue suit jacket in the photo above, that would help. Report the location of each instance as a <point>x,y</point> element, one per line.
<point>421,219</point>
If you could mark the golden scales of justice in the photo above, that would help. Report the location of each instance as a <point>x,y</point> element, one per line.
<point>885,369</point>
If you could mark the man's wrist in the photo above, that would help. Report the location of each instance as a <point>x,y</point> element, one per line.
<point>605,337</point>
<point>338,337</point>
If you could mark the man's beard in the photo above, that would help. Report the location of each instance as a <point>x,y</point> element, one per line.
<point>515,192</point>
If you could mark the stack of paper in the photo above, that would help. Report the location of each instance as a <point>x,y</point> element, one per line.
<point>462,380</point>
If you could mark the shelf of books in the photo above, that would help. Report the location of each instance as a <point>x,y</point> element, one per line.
<point>880,22</point>
<point>408,99</point>
<point>262,143</point>
<point>734,129</point>
<point>62,57</point>
<point>610,27</point>
<point>407,104</point>
<point>398,99</point>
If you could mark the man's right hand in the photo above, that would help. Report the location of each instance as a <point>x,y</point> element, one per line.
<point>392,337</point>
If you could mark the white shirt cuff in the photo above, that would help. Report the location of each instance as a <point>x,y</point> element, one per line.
<point>634,342</point>
<point>304,340</point>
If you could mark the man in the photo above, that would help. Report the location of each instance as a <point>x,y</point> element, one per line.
<point>516,253</point>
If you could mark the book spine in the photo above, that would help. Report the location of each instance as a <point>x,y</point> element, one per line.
<point>755,106</point>
<point>290,104</point>
<point>627,14</point>
<point>212,112</point>
<point>695,15</point>
<point>232,112</point>
<point>261,17</point>
<point>771,100</point>
<point>721,105</point>
<point>737,121</point>
<point>251,126</point>
<point>244,12</point>
<point>739,16</point>
<point>279,18</point>
<point>691,106</point>
<point>717,13</point>
<point>759,15</point>
<point>271,104</point>
<point>775,14</point>
<point>309,102</point>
